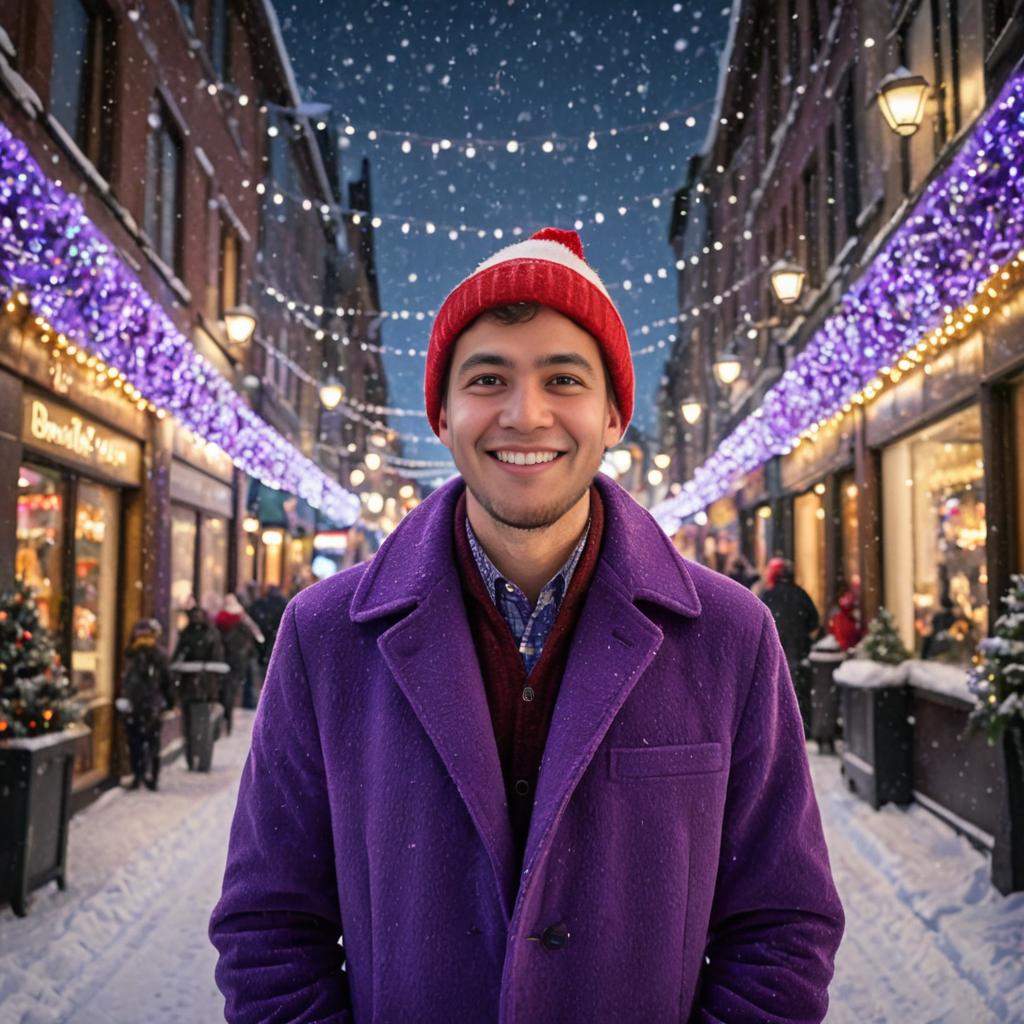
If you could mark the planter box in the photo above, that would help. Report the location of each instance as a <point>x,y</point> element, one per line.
<point>35,805</point>
<point>202,726</point>
<point>876,756</point>
<point>975,787</point>
<point>824,724</point>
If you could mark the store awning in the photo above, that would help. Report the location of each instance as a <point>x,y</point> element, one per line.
<point>274,508</point>
<point>965,229</point>
<point>78,284</point>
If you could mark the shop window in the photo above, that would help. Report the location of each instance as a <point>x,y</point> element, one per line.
<point>849,528</point>
<point>809,546</point>
<point>213,567</point>
<point>184,534</point>
<point>39,561</point>
<point>164,187</point>
<point>68,536</point>
<point>1018,460</point>
<point>82,76</point>
<point>936,579</point>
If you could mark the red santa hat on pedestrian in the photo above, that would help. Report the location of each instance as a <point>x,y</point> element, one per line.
<point>548,268</point>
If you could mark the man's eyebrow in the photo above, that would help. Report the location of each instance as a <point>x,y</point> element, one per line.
<point>557,359</point>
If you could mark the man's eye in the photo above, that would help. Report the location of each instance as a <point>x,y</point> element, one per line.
<point>483,378</point>
<point>566,378</point>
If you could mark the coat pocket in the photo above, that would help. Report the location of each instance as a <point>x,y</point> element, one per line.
<point>630,763</point>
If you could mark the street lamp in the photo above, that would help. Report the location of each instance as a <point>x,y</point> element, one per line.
<point>787,280</point>
<point>691,409</point>
<point>239,323</point>
<point>901,97</point>
<point>728,366</point>
<point>331,394</point>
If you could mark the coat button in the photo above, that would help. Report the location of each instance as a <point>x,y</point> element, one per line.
<point>522,787</point>
<point>554,936</point>
<point>528,694</point>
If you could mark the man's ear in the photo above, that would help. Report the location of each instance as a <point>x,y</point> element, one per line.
<point>442,422</point>
<point>613,425</point>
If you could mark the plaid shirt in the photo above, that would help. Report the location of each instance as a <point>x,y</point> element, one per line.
<point>529,627</point>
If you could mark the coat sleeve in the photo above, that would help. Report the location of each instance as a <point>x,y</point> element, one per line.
<point>776,919</point>
<point>278,923</point>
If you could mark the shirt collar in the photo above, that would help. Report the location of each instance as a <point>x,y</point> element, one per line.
<point>494,581</point>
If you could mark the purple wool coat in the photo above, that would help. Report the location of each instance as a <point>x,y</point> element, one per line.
<point>675,869</point>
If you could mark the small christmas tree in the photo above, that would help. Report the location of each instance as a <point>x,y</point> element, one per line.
<point>35,694</point>
<point>997,676</point>
<point>881,642</point>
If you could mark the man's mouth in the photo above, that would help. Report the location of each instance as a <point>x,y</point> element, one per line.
<point>524,458</point>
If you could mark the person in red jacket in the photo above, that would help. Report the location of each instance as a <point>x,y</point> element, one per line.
<point>844,624</point>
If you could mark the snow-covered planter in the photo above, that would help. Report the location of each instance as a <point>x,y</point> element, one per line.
<point>876,756</point>
<point>825,656</point>
<point>35,805</point>
<point>867,674</point>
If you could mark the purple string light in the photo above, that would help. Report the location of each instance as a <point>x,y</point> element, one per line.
<point>76,281</point>
<point>966,226</point>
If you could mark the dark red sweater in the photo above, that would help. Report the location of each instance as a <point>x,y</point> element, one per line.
<point>521,706</point>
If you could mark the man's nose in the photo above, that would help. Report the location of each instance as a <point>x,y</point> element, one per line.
<point>526,408</point>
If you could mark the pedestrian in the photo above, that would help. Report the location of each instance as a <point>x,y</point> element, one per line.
<point>796,620</point>
<point>146,690</point>
<point>266,612</point>
<point>740,570</point>
<point>239,635</point>
<point>541,767</point>
<point>844,624</point>
<point>198,662</point>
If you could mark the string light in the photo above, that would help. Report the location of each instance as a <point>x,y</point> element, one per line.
<point>961,246</point>
<point>81,289</point>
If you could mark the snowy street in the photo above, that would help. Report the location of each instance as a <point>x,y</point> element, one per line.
<point>927,937</point>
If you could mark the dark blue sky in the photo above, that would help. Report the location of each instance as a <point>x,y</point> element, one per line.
<point>520,70</point>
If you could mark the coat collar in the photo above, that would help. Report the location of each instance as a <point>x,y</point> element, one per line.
<point>429,650</point>
<point>636,553</point>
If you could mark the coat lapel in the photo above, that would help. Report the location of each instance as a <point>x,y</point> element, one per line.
<point>612,646</point>
<point>430,653</point>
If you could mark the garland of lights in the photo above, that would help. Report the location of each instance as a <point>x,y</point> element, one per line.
<point>76,283</point>
<point>963,234</point>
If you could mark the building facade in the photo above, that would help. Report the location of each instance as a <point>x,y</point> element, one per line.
<point>203,182</point>
<point>875,433</point>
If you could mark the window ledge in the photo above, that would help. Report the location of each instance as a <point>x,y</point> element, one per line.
<point>166,271</point>
<point>84,164</point>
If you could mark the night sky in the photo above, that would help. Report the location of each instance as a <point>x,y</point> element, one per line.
<point>524,71</point>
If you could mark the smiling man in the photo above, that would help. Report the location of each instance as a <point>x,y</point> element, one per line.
<point>528,763</point>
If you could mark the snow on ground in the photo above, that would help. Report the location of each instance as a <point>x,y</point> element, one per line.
<point>928,939</point>
<point>126,942</point>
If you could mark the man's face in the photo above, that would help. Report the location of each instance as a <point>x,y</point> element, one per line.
<point>529,389</point>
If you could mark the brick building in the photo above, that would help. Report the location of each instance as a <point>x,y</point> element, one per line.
<point>179,128</point>
<point>875,431</point>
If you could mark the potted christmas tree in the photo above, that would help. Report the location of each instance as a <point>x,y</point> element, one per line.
<point>38,733</point>
<point>996,680</point>
<point>877,743</point>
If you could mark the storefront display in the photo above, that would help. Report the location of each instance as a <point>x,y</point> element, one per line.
<point>809,545</point>
<point>936,585</point>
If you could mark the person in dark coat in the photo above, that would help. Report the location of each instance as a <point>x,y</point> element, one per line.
<point>796,619</point>
<point>740,570</point>
<point>239,635</point>
<point>146,688</point>
<point>198,662</point>
<point>267,613</point>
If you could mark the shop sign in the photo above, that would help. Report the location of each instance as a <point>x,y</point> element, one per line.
<point>67,436</point>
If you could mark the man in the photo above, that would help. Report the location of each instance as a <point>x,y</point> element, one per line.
<point>530,763</point>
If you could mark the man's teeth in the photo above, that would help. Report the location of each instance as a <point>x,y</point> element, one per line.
<point>526,458</point>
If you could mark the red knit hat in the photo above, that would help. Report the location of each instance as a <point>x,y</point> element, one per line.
<point>547,268</point>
